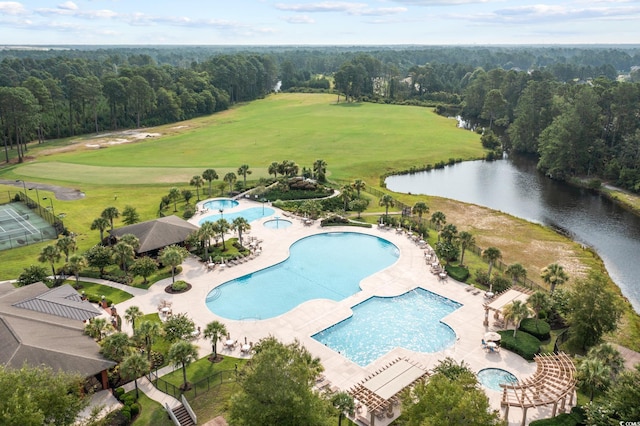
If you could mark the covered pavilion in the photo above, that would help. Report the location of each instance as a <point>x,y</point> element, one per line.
<point>379,391</point>
<point>504,299</point>
<point>553,381</point>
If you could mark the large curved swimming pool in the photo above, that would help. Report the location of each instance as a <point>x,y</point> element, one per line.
<point>323,266</point>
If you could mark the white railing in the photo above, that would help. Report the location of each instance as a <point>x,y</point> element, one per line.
<point>188,408</point>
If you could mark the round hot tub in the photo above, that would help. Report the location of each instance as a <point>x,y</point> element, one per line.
<point>277,223</point>
<point>491,378</point>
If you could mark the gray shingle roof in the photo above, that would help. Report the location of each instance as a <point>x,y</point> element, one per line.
<point>37,337</point>
<point>61,301</point>
<point>158,233</point>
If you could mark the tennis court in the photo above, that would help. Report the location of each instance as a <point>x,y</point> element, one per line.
<point>20,226</point>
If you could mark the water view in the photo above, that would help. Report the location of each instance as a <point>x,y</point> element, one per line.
<point>514,186</point>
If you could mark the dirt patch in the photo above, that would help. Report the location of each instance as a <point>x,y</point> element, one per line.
<point>61,192</point>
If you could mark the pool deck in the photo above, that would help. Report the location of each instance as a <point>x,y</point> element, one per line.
<point>409,272</point>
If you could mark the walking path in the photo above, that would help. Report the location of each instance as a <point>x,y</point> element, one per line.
<point>410,271</point>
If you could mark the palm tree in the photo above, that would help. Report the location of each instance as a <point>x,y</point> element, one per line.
<point>554,275</point>
<point>50,254</point>
<point>241,225</point>
<point>131,315</point>
<point>230,178</point>
<point>97,328</point>
<point>197,181</point>
<point>206,231</point>
<point>213,331</point>
<point>75,264</point>
<point>320,170</point>
<point>387,201</point>
<point>125,253</point>
<point>182,354</point>
<point>346,194</point>
<point>594,375</point>
<point>148,331</point>
<point>420,208</point>
<point>174,195</point>
<point>116,347</point>
<point>223,227</point>
<point>209,175</point>
<point>438,219</point>
<point>110,213</point>
<point>609,356</point>
<point>491,254</point>
<point>134,366</point>
<point>538,302</point>
<point>132,240</point>
<point>66,245</point>
<point>100,224</point>
<point>344,403</point>
<point>359,185</point>
<point>273,169</point>
<point>466,240</point>
<point>515,312</point>
<point>517,272</point>
<point>173,256</point>
<point>244,171</point>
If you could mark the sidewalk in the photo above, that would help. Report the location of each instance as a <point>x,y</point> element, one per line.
<point>145,386</point>
<point>129,289</point>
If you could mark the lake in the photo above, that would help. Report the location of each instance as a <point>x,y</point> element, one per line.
<point>514,186</point>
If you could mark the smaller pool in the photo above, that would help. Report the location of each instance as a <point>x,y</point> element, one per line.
<point>277,224</point>
<point>223,203</point>
<point>491,378</point>
<point>251,214</point>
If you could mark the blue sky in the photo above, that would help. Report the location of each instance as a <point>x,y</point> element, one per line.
<point>297,22</point>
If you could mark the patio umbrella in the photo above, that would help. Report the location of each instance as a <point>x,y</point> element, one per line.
<point>492,336</point>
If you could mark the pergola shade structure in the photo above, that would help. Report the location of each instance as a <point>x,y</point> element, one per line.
<point>553,381</point>
<point>379,392</point>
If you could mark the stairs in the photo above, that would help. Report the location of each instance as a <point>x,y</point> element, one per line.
<point>183,416</point>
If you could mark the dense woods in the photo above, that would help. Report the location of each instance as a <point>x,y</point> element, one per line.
<point>568,106</point>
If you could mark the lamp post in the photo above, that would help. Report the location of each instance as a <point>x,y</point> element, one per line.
<point>221,213</point>
<point>51,204</point>
<point>262,200</point>
<point>38,197</point>
<point>24,185</point>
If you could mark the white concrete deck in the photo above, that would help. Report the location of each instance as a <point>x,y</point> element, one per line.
<point>409,272</point>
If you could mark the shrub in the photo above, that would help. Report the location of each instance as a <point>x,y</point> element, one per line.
<point>179,286</point>
<point>189,211</point>
<point>135,409</point>
<point>118,393</point>
<point>482,277</point>
<point>537,328</point>
<point>126,412</point>
<point>500,284</point>
<point>458,273</point>
<point>334,220</point>
<point>523,344</point>
<point>574,418</point>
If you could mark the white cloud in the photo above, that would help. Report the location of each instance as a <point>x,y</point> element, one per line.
<point>327,6</point>
<point>444,2</point>
<point>68,5</point>
<point>12,8</point>
<point>299,19</point>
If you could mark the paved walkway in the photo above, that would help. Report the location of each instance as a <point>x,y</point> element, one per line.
<point>409,272</point>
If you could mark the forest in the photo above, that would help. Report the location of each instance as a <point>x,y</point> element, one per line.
<point>575,108</point>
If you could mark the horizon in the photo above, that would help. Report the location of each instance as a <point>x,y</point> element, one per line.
<point>320,23</point>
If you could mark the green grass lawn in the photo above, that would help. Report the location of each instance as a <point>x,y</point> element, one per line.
<point>113,294</point>
<point>202,369</point>
<point>151,412</point>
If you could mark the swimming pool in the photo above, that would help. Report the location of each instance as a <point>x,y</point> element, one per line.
<point>251,214</point>
<point>323,266</point>
<point>277,223</point>
<point>222,203</point>
<point>379,324</point>
<point>492,377</point>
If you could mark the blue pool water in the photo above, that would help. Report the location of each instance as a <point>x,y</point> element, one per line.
<point>251,214</point>
<point>324,266</point>
<point>492,377</point>
<point>225,203</point>
<point>379,324</point>
<point>277,224</point>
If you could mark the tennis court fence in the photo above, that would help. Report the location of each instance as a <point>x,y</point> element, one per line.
<point>43,212</point>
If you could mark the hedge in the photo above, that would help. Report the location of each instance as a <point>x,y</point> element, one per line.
<point>538,328</point>
<point>523,344</point>
<point>458,273</point>
<point>574,418</point>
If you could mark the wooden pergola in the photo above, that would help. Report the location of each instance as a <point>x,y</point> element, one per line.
<point>553,381</point>
<point>379,391</point>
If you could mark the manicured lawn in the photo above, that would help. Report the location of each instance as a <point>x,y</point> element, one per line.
<point>151,412</point>
<point>116,296</point>
<point>202,369</point>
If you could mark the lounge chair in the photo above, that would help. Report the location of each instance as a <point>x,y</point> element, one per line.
<point>477,292</point>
